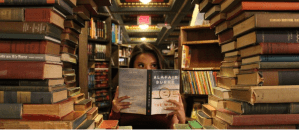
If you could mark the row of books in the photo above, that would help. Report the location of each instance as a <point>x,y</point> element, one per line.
<point>256,83</point>
<point>97,29</point>
<point>116,34</point>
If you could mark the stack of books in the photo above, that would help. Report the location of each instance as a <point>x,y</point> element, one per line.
<point>262,38</point>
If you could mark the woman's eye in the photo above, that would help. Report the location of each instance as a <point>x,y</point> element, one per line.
<point>154,65</point>
<point>140,65</point>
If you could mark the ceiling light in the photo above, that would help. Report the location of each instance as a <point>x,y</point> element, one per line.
<point>143,26</point>
<point>143,39</point>
<point>145,1</point>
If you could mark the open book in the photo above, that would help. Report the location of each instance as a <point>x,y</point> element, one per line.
<point>149,90</point>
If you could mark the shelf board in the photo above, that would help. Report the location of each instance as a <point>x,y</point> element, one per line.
<point>196,27</point>
<point>201,42</point>
<point>207,68</point>
<point>98,40</point>
<point>196,95</point>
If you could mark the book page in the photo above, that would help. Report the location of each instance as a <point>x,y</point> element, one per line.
<point>165,85</point>
<point>132,82</point>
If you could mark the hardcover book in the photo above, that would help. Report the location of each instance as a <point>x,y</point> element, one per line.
<point>33,82</point>
<point>11,111</point>
<point>30,57</point>
<point>12,14</point>
<point>149,90</point>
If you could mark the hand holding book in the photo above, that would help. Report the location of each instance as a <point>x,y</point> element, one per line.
<point>178,110</point>
<point>117,103</point>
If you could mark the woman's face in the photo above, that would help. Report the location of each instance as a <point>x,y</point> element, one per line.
<point>146,61</point>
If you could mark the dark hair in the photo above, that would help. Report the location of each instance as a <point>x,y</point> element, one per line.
<point>147,48</point>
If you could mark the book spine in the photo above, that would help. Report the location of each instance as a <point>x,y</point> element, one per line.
<point>11,111</point>
<point>27,2</point>
<point>149,92</point>
<point>278,65</point>
<point>278,36</point>
<point>12,14</point>
<point>226,36</point>
<point>249,5</point>
<point>265,108</point>
<point>279,48</point>
<point>277,58</point>
<point>265,119</point>
<point>25,88</point>
<point>24,46</point>
<point>22,57</point>
<point>273,20</point>
<point>77,122</point>
<point>38,14</point>
<point>6,82</point>
<point>21,70</point>
<point>113,33</point>
<point>26,97</point>
<point>294,108</point>
<point>280,78</point>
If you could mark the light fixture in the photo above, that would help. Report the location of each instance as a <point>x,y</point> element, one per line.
<point>143,39</point>
<point>143,26</point>
<point>167,47</point>
<point>145,1</point>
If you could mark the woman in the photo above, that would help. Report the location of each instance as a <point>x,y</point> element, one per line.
<point>146,56</point>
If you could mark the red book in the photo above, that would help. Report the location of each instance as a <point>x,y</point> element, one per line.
<point>29,70</point>
<point>29,47</point>
<point>263,6</point>
<point>109,124</point>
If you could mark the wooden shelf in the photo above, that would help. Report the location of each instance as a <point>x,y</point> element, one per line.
<point>207,68</point>
<point>196,95</point>
<point>98,40</point>
<point>196,27</point>
<point>201,42</point>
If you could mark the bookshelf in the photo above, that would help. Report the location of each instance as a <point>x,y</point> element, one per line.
<point>199,58</point>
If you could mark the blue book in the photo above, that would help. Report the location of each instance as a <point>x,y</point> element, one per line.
<point>271,58</point>
<point>113,33</point>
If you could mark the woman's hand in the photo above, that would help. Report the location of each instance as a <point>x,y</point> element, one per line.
<point>178,110</point>
<point>117,105</point>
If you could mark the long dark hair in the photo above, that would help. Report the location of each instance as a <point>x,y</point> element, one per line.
<point>148,48</point>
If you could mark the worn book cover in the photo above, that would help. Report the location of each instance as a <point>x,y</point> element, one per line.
<point>149,90</point>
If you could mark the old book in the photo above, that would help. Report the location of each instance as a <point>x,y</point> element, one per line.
<point>32,82</point>
<point>205,5</point>
<point>67,57</point>
<point>17,36</point>
<point>73,25</point>
<point>222,27</point>
<point>109,124</point>
<point>233,53</point>
<point>203,119</point>
<point>231,46</point>
<point>220,17</point>
<point>71,121</point>
<point>57,110</point>
<point>84,105</point>
<point>30,70</point>
<point>209,110</point>
<point>194,124</point>
<point>68,72</point>
<point>222,93</point>
<point>148,101</point>
<point>89,124</point>
<point>59,4</point>
<point>220,124</point>
<point>271,58</point>
<point>268,36</point>
<point>29,46</point>
<point>98,120</point>
<point>33,97</point>
<point>269,78</point>
<point>216,102</point>
<point>32,88</point>
<point>181,126</point>
<point>72,32</point>
<point>212,12</point>
<point>270,48</point>
<point>243,16</point>
<point>78,98</point>
<point>266,20</point>
<point>217,1</point>
<point>234,64</point>
<point>82,12</point>
<point>30,57</point>
<point>92,113</point>
<point>72,3</point>
<point>266,94</point>
<point>69,36</point>
<point>263,6</point>
<point>227,5</point>
<point>228,71</point>
<point>226,36</point>
<point>76,18</point>
<point>263,119</point>
<point>31,28</point>
<point>44,15</point>
<point>125,127</point>
<point>232,58</point>
<point>226,82</point>
<point>12,14</point>
<point>68,49</point>
<point>270,65</point>
<point>244,108</point>
<point>73,91</point>
<point>11,110</point>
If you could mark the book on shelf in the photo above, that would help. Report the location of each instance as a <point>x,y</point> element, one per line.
<point>92,113</point>
<point>82,12</point>
<point>70,37</point>
<point>84,105</point>
<point>212,12</point>
<point>228,71</point>
<point>109,124</point>
<point>226,36</point>
<point>196,106</point>
<point>33,97</point>
<point>48,15</point>
<point>204,119</point>
<point>88,124</point>
<point>222,27</point>
<point>216,102</point>
<point>270,58</point>
<point>12,14</point>
<point>30,70</point>
<point>11,111</point>
<point>226,82</point>
<point>78,98</point>
<point>252,67</point>
<point>98,120</point>
<point>205,5</point>
<point>231,63</point>
<point>154,88</point>
<point>216,20</point>
<point>67,57</point>
<point>266,94</point>
<point>73,91</point>
<point>231,46</point>
<point>76,18</point>
<point>30,57</point>
<point>73,25</point>
<point>33,88</point>
<point>222,93</point>
<point>209,110</point>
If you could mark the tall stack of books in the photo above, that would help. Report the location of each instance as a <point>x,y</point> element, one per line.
<point>262,92</point>
<point>33,93</point>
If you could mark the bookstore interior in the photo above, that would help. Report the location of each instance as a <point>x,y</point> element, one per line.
<point>215,64</point>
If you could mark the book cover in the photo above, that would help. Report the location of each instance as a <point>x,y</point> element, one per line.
<point>149,90</point>
<point>30,57</point>
<point>268,65</point>
<point>32,88</point>
<point>11,111</point>
<point>12,14</point>
<point>109,124</point>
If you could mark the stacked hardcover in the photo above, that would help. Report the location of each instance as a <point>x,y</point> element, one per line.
<point>261,93</point>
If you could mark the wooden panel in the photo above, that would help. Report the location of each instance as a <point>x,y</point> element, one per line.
<point>199,35</point>
<point>83,62</point>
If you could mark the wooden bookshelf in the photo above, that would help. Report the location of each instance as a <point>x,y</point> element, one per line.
<point>200,42</point>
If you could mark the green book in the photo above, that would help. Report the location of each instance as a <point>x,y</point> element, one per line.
<point>181,126</point>
<point>194,125</point>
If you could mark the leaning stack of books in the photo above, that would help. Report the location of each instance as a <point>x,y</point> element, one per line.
<point>32,92</point>
<point>266,38</point>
